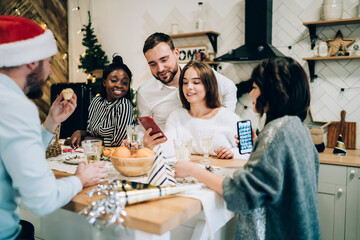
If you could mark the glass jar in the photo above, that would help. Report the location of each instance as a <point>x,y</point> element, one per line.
<point>333,9</point>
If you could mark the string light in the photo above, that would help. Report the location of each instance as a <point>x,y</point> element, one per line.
<point>44,26</point>
<point>341,90</point>
<point>17,11</point>
<point>78,32</point>
<point>64,56</point>
<point>76,9</point>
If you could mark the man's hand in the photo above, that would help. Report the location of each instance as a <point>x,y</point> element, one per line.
<point>59,112</point>
<point>91,174</point>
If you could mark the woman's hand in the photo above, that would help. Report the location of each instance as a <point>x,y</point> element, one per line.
<point>183,168</point>
<point>254,137</point>
<point>224,152</point>
<point>126,143</point>
<point>75,138</point>
<point>154,140</point>
<point>91,174</point>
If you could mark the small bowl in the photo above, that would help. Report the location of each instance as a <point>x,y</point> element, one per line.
<point>132,167</point>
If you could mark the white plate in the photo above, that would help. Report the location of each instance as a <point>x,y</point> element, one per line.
<point>74,160</point>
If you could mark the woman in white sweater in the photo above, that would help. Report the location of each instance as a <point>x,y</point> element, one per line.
<point>201,110</point>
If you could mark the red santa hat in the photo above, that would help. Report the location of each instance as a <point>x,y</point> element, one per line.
<point>24,41</point>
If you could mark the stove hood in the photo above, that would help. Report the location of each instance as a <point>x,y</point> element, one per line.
<point>258,34</point>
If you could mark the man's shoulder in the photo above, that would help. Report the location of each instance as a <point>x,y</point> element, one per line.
<point>11,100</point>
<point>148,86</point>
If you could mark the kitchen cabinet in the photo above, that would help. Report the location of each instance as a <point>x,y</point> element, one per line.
<point>332,201</point>
<point>212,36</point>
<point>312,32</point>
<point>339,202</point>
<point>352,230</point>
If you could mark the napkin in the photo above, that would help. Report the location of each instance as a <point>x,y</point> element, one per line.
<point>160,173</point>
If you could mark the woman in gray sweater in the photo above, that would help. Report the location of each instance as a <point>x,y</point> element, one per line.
<point>277,190</point>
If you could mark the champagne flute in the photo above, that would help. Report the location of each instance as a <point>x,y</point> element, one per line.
<point>132,132</point>
<point>205,144</point>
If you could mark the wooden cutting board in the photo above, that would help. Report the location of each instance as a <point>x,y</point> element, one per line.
<point>346,129</point>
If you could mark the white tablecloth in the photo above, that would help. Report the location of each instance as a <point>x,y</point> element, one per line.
<point>214,207</point>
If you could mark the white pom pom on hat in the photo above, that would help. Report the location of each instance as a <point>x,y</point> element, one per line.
<point>23,41</point>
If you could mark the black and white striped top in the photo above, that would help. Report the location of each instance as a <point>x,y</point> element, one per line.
<point>108,120</point>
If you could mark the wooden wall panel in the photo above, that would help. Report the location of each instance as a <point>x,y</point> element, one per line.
<point>53,13</point>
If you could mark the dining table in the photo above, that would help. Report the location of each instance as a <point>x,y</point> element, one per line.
<point>179,216</point>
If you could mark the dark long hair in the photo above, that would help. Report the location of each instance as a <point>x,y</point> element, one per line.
<point>208,78</point>
<point>284,88</point>
<point>154,39</point>
<point>117,64</point>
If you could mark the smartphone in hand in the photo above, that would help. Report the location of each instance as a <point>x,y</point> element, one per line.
<point>148,122</point>
<point>245,136</point>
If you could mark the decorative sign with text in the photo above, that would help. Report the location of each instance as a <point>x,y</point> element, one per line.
<point>188,53</point>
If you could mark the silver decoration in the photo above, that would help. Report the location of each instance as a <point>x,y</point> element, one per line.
<point>118,194</point>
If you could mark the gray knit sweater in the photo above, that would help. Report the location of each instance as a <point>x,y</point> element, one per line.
<point>279,183</point>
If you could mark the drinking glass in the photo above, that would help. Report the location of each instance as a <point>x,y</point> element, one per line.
<point>132,132</point>
<point>182,148</point>
<point>205,144</point>
<point>92,149</point>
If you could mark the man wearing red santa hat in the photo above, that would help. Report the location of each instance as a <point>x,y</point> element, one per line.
<point>26,52</point>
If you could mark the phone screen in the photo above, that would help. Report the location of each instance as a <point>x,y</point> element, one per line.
<point>245,136</point>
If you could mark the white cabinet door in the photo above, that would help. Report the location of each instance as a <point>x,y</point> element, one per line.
<point>352,231</point>
<point>332,201</point>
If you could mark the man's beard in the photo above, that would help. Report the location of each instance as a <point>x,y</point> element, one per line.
<point>170,79</point>
<point>35,82</point>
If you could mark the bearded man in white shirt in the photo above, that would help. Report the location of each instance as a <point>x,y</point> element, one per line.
<point>159,96</point>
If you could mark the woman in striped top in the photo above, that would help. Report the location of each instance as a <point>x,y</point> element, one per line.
<point>112,111</point>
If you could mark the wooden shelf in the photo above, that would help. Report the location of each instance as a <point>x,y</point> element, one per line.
<point>312,26</point>
<point>331,58</point>
<point>333,22</point>
<point>312,32</point>
<point>311,63</point>
<point>211,63</point>
<point>193,34</point>
<point>210,34</point>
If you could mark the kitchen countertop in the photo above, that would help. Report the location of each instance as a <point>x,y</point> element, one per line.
<point>352,159</point>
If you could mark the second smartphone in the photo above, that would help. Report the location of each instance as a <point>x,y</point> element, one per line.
<point>245,136</point>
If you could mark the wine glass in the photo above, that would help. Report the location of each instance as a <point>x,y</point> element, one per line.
<point>183,148</point>
<point>205,144</point>
<point>132,132</point>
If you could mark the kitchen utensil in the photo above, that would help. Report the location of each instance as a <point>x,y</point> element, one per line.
<point>346,129</point>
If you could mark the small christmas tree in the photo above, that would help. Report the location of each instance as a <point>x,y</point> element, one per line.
<point>95,57</point>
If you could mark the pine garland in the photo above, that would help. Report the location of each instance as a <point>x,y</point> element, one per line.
<point>95,57</point>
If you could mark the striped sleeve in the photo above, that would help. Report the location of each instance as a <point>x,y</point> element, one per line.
<point>124,115</point>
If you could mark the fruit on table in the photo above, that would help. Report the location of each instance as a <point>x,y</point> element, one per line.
<point>144,152</point>
<point>122,152</point>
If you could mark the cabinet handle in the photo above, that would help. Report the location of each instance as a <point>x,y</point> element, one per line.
<point>352,173</point>
<point>340,191</point>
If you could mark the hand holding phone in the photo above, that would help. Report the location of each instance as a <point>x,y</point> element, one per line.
<point>148,122</point>
<point>245,136</point>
